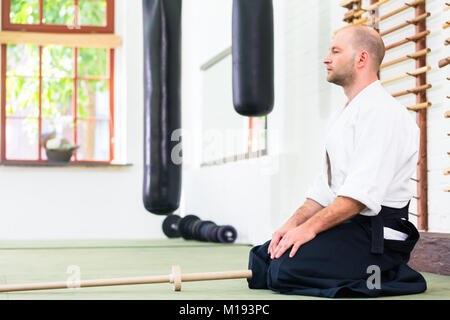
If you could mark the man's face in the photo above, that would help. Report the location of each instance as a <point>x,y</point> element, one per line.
<point>340,61</point>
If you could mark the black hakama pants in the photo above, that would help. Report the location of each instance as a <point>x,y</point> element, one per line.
<point>339,262</point>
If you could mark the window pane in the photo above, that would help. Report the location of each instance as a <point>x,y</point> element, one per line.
<point>92,62</point>
<point>22,59</point>
<point>59,12</point>
<point>24,11</point>
<point>92,12</point>
<point>22,96</point>
<point>258,134</point>
<point>57,97</point>
<point>225,133</point>
<point>93,99</point>
<point>21,139</point>
<point>93,139</point>
<point>62,127</point>
<point>57,61</point>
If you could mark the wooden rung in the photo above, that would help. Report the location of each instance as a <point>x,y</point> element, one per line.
<point>394,12</point>
<point>376,5</point>
<point>358,22</point>
<point>420,88</point>
<point>414,180</point>
<point>419,71</point>
<point>447,189</point>
<point>414,90</point>
<point>395,61</point>
<point>415,55</point>
<point>352,14</point>
<point>415,197</point>
<point>359,13</point>
<point>446,25</point>
<point>406,23</point>
<point>348,3</point>
<point>420,106</point>
<point>349,14</point>
<point>415,37</point>
<point>446,171</point>
<point>413,214</point>
<point>447,41</point>
<point>443,62</point>
<point>419,53</point>
<point>447,114</point>
<point>412,73</point>
<point>389,14</point>
<point>406,6</point>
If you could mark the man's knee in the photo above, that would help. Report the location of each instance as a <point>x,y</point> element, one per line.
<point>258,262</point>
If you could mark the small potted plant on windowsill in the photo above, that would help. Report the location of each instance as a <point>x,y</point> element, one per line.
<point>59,149</point>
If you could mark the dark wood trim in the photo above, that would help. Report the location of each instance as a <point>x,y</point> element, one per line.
<point>374,16</point>
<point>235,158</point>
<point>20,163</point>
<point>40,105</point>
<point>111,103</point>
<point>3,103</point>
<point>41,27</point>
<point>421,118</point>
<point>75,100</point>
<point>5,13</point>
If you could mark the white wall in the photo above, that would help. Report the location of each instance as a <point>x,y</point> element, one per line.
<point>255,195</point>
<point>55,203</point>
<point>259,198</point>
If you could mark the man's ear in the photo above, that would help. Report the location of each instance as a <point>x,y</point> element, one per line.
<point>363,59</point>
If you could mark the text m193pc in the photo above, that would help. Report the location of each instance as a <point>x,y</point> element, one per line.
<point>245,309</point>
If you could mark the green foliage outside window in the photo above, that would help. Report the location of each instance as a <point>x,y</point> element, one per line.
<point>22,84</point>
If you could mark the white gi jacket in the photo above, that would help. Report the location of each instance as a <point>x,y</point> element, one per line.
<point>373,146</point>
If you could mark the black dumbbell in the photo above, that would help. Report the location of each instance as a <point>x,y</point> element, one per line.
<point>186,224</point>
<point>174,226</point>
<point>204,229</point>
<point>226,234</point>
<point>192,227</point>
<point>222,234</point>
<point>170,226</point>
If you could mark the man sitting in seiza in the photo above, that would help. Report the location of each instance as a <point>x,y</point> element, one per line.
<point>351,237</point>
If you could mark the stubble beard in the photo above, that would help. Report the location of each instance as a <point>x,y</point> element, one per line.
<point>343,77</point>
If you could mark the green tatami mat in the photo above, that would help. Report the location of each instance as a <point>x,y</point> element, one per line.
<point>62,244</point>
<point>46,261</point>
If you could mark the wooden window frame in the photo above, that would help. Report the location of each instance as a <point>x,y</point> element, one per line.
<point>57,28</point>
<point>109,28</point>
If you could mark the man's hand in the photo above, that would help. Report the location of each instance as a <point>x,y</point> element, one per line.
<point>341,209</point>
<point>295,237</point>
<point>277,235</point>
<point>302,214</point>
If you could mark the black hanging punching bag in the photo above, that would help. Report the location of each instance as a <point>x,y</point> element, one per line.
<point>253,57</point>
<point>162,113</point>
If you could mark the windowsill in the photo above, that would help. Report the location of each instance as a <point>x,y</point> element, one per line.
<point>63,164</point>
<point>236,158</point>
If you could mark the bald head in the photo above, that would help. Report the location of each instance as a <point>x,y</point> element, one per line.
<point>368,39</point>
